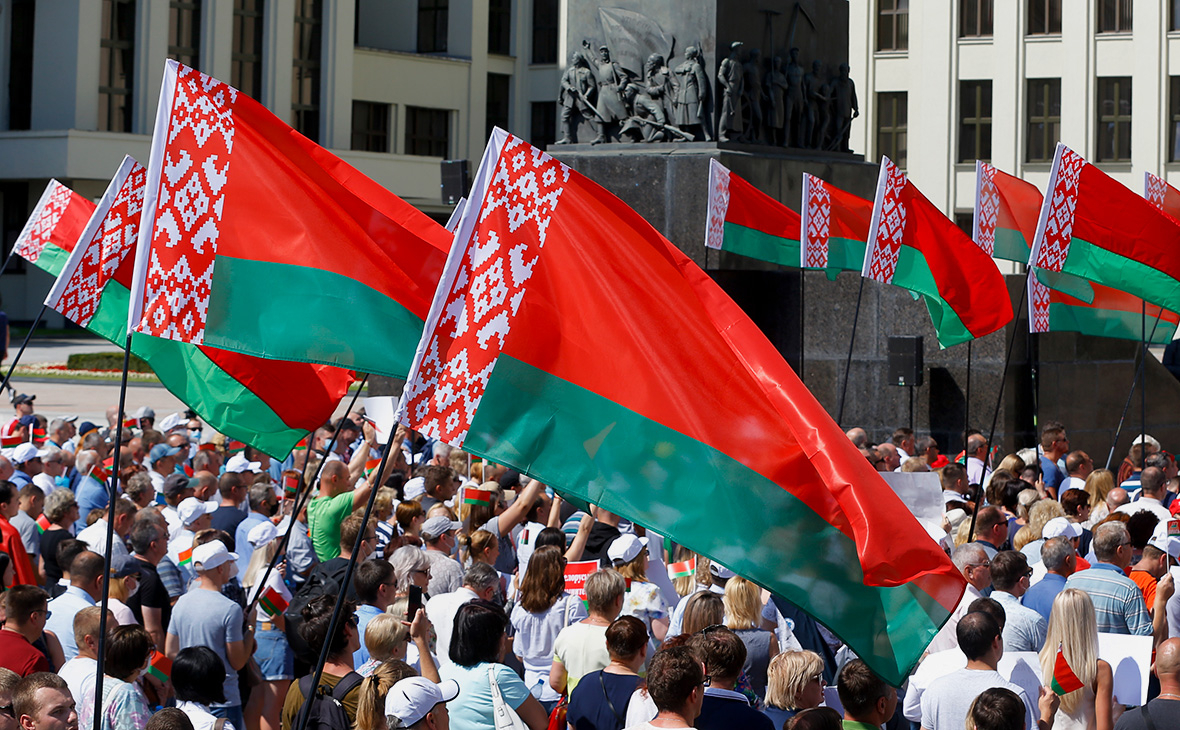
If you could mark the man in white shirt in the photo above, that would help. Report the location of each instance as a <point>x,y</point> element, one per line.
<point>975,566</point>
<point>977,468</point>
<point>479,582</point>
<point>79,672</point>
<point>95,536</point>
<point>1078,465</point>
<point>1153,484</point>
<point>195,516</point>
<point>161,463</point>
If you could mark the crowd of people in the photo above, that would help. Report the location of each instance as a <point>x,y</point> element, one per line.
<point>223,581</point>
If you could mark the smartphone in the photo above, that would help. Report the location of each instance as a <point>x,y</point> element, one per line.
<point>415,602</point>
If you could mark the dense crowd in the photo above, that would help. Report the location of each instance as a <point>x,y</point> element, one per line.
<point>223,581</point>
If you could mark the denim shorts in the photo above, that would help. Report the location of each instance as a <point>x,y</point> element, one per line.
<point>274,655</point>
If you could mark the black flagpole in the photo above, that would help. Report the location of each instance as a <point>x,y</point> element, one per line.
<point>112,495</point>
<point>802,318</point>
<point>1143,386</point>
<point>966,404</point>
<point>848,361</point>
<point>1130,394</point>
<point>23,345</point>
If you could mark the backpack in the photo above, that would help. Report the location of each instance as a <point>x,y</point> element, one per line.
<point>325,579</point>
<point>327,708</point>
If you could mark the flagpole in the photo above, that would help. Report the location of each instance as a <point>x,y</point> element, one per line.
<point>1143,385</point>
<point>112,495</point>
<point>966,401</point>
<point>305,711</point>
<point>23,345</point>
<point>1000,396</point>
<point>848,361</point>
<point>1130,394</point>
<point>802,317</point>
<point>301,498</point>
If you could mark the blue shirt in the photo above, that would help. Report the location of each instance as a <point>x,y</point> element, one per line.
<point>1024,628</point>
<point>92,494</point>
<point>1118,602</point>
<point>61,621</point>
<point>724,709</point>
<point>242,546</point>
<point>475,711</point>
<point>20,479</point>
<point>364,614</point>
<point>1040,596</point>
<point>1051,474</point>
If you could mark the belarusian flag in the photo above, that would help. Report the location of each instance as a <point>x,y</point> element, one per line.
<point>257,240</point>
<point>1094,229</point>
<point>681,570</point>
<point>1064,680</point>
<point>53,228</point>
<point>1159,193</point>
<point>160,666</point>
<point>186,557</point>
<point>11,440</point>
<point>913,245</point>
<point>742,219</point>
<point>42,524</point>
<point>477,496</point>
<point>1006,210</point>
<point>370,464</point>
<point>1112,313</point>
<point>835,226</point>
<point>273,603</point>
<point>708,436</point>
<point>270,403</point>
<point>290,485</point>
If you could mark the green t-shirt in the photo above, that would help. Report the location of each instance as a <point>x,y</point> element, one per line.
<point>324,517</point>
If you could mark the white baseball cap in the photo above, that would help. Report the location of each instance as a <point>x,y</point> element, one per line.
<point>192,509</point>
<point>720,570</point>
<point>414,488</point>
<point>626,548</point>
<point>1061,527</point>
<point>261,534</point>
<point>171,421</point>
<point>239,464</point>
<point>1167,538</point>
<point>211,555</point>
<point>412,698</point>
<point>26,452</point>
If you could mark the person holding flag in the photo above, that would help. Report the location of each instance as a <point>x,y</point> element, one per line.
<point>1071,668</point>
<point>275,658</point>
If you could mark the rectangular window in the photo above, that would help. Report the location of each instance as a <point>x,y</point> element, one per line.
<point>975,121</point>
<point>370,126</point>
<point>1044,17</point>
<point>965,220</point>
<point>1043,129</point>
<point>246,55</point>
<point>545,31</point>
<point>428,132</point>
<point>1173,15</point>
<point>14,212</point>
<point>1114,119</point>
<point>893,25</point>
<point>432,26</point>
<point>1174,119</point>
<point>20,65</point>
<point>305,70</point>
<point>543,129</point>
<point>499,107</point>
<point>116,62</point>
<point>500,27</point>
<point>975,18</point>
<point>1114,16</point>
<point>891,126</point>
<point>184,32</point>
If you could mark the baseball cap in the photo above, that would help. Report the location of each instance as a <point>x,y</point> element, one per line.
<point>436,526</point>
<point>261,534</point>
<point>171,421</point>
<point>162,451</point>
<point>415,488</point>
<point>1061,527</point>
<point>26,452</point>
<point>1167,538</point>
<point>238,463</point>
<point>211,554</point>
<point>626,548</point>
<point>145,412</point>
<point>721,571</point>
<point>1137,440</point>
<point>23,398</point>
<point>86,427</point>
<point>412,698</point>
<point>174,484</point>
<point>27,421</point>
<point>192,509</point>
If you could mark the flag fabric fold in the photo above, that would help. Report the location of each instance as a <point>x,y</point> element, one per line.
<point>1064,680</point>
<point>1006,211</point>
<point>744,220</point>
<point>53,227</point>
<point>270,404</point>
<point>835,226</point>
<point>914,246</point>
<point>1093,229</point>
<point>708,436</point>
<point>1159,193</point>
<point>258,241</point>
<point>273,603</point>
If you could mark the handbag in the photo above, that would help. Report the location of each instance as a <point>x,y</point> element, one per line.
<point>557,717</point>
<point>503,716</point>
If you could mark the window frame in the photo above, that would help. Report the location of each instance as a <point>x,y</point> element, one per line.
<point>112,45</point>
<point>438,11</point>
<point>242,56</point>
<point>185,50</point>
<point>983,20</point>
<point>1051,16</point>
<point>1116,119</point>
<point>1120,20</point>
<point>415,138</point>
<point>896,101</point>
<point>980,125</point>
<point>1048,120</point>
<point>898,15</point>
<point>305,107</point>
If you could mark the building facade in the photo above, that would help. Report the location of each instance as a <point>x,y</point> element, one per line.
<point>393,87</point>
<point>948,81</point>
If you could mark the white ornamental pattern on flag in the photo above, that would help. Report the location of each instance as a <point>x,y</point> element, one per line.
<point>1154,189</point>
<point>818,207</point>
<point>886,245</point>
<point>987,209</point>
<point>1038,297</point>
<point>200,137</point>
<point>1053,246</point>
<point>509,233</point>
<point>39,229</point>
<point>718,205</point>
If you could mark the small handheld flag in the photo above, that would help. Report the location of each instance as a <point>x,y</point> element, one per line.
<point>160,667</point>
<point>371,465</point>
<point>681,570</point>
<point>273,603</point>
<point>10,441</point>
<point>42,524</point>
<point>186,557</point>
<point>1064,680</point>
<point>477,496</point>
<point>38,436</point>
<point>131,423</point>
<point>290,485</point>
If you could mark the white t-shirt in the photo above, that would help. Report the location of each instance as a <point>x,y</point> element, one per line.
<point>441,611</point>
<point>79,674</point>
<point>536,635</point>
<point>581,648</point>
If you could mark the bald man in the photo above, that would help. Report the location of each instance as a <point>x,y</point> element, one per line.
<point>337,499</point>
<point>1164,709</point>
<point>858,437</point>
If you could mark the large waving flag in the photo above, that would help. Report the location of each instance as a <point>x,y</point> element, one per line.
<point>707,435</point>
<point>269,404</point>
<point>742,219</point>
<point>835,226</point>
<point>259,241</point>
<point>1094,229</point>
<point>1006,211</point>
<point>53,227</point>
<point>913,245</point>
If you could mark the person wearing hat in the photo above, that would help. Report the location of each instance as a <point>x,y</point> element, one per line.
<point>205,617</point>
<point>194,517</point>
<point>161,463</point>
<point>22,404</point>
<point>719,576</point>
<point>446,574</point>
<point>146,417</point>
<point>645,600</point>
<point>95,536</point>
<point>176,490</point>
<point>26,458</point>
<point>275,658</point>
<point>1161,551</point>
<point>418,703</point>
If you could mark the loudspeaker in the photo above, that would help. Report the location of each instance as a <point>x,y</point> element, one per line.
<point>455,180</point>
<point>905,360</point>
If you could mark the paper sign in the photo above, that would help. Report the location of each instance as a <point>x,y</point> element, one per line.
<point>380,411</point>
<point>921,491</point>
<point>1130,658</point>
<point>576,574</point>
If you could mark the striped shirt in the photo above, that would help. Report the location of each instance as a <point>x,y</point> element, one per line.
<point>1118,602</point>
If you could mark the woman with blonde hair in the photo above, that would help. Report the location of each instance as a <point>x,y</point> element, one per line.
<point>1073,627</point>
<point>704,609</point>
<point>124,583</point>
<point>743,616</point>
<point>543,610</point>
<point>795,683</point>
<point>1098,485</point>
<point>645,600</point>
<point>275,658</point>
<point>389,638</point>
<point>1039,516</point>
<point>370,708</point>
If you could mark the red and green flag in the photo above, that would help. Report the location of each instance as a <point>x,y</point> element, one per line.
<point>273,603</point>
<point>290,485</point>
<point>914,246</point>
<point>160,666</point>
<point>269,403</point>
<point>371,466</point>
<point>707,437</point>
<point>11,440</point>
<point>477,496</point>
<point>835,226</point>
<point>186,557</point>
<point>1093,229</point>
<point>53,227</point>
<point>682,570</point>
<point>1064,680</point>
<point>42,524</point>
<point>744,220</point>
<point>257,240</point>
<point>1006,212</point>
<point>1159,193</point>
